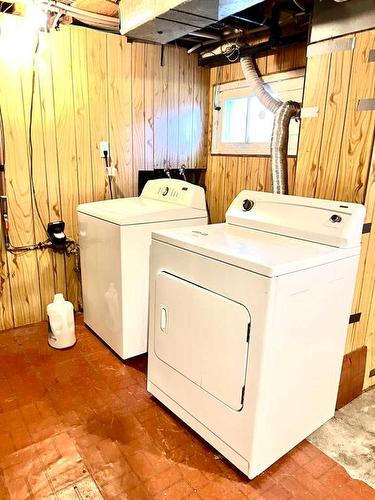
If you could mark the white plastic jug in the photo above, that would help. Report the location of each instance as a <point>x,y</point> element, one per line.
<point>61,331</point>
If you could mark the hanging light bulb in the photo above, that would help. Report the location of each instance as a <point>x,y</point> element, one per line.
<point>19,34</point>
<point>35,15</point>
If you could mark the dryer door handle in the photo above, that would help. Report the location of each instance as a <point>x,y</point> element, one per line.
<point>163,318</point>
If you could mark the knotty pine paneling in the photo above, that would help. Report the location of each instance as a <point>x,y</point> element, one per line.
<point>89,86</point>
<point>336,161</point>
<point>120,112</point>
<point>226,174</point>
<point>60,44</point>
<point>334,157</point>
<point>50,139</point>
<point>23,291</point>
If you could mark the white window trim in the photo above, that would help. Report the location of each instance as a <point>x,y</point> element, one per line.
<point>240,88</point>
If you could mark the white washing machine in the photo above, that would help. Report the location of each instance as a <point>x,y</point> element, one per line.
<point>115,238</point>
<point>248,321</point>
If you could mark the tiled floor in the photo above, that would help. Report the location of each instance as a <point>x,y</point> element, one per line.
<point>79,424</point>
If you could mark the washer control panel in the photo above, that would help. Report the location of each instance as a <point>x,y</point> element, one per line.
<point>175,191</point>
<point>172,193</point>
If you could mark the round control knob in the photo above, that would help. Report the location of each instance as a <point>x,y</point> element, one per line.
<point>247,205</point>
<point>335,218</point>
<point>165,191</point>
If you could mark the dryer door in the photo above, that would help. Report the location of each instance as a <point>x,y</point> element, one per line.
<point>203,336</point>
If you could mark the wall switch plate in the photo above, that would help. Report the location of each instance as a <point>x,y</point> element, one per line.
<point>103,146</point>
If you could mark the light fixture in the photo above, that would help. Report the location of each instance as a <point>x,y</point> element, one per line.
<point>35,15</point>
<point>19,34</point>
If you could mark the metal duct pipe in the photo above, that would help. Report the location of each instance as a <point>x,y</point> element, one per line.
<point>279,145</point>
<point>256,84</point>
<point>283,112</point>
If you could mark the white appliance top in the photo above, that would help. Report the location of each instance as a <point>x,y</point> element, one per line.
<point>274,240</point>
<point>333,223</point>
<point>264,253</point>
<point>161,199</point>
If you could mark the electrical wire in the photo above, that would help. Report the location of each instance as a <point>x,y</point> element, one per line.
<point>110,186</point>
<point>232,52</point>
<point>9,7</point>
<point>30,139</point>
<point>71,247</point>
<point>21,250</point>
<point>109,176</point>
<point>301,7</point>
<point>219,76</point>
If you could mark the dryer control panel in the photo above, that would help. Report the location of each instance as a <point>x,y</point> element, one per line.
<point>333,223</point>
<point>175,191</point>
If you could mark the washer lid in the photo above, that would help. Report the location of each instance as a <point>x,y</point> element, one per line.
<point>264,253</point>
<point>126,211</point>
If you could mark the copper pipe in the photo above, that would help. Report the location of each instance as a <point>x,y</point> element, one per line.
<point>4,204</point>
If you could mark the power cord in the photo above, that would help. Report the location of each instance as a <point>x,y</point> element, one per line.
<point>109,176</point>
<point>30,141</point>
<point>72,248</point>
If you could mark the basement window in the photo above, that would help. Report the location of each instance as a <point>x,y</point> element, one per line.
<point>242,125</point>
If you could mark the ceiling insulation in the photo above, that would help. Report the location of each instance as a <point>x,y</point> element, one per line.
<point>104,7</point>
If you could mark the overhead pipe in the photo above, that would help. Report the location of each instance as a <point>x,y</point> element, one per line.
<point>207,59</point>
<point>198,46</point>
<point>86,13</point>
<point>86,17</point>
<point>284,112</point>
<point>246,20</point>
<point>206,34</point>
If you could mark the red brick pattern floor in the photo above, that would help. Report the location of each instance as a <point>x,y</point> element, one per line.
<point>79,424</point>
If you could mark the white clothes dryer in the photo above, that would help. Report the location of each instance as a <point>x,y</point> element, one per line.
<point>248,321</point>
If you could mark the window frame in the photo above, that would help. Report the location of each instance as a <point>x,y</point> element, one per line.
<point>237,89</point>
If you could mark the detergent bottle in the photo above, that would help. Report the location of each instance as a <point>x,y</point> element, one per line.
<point>61,331</point>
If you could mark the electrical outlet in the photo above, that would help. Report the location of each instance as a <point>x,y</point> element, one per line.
<point>103,146</point>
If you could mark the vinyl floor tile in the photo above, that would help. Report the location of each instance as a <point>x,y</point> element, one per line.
<point>80,424</point>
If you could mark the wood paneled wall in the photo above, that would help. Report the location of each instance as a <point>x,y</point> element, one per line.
<point>336,157</point>
<point>89,86</point>
<point>336,160</point>
<point>228,174</point>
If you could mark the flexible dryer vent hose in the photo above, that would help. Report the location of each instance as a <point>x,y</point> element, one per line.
<point>284,112</point>
<point>279,145</point>
<point>256,85</point>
